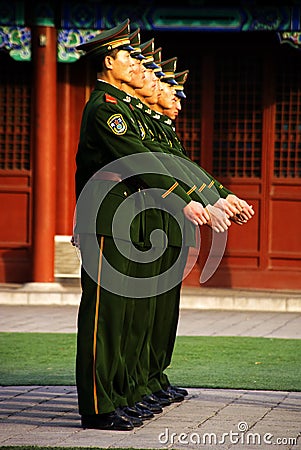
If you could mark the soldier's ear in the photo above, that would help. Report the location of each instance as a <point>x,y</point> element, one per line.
<point>108,61</point>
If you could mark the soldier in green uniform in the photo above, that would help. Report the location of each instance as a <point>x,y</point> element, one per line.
<point>110,133</point>
<point>237,209</point>
<point>162,338</point>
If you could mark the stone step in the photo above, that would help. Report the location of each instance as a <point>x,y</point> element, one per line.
<point>68,292</point>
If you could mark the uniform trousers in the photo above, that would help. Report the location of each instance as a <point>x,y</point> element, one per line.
<point>166,320</point>
<point>113,339</point>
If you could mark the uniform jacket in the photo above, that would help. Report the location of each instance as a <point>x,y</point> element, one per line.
<point>109,132</point>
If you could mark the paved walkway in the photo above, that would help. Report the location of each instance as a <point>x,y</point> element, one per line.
<point>208,418</point>
<point>195,322</point>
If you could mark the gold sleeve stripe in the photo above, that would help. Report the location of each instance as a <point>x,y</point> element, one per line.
<point>170,190</point>
<point>221,186</point>
<point>191,190</point>
<point>202,187</point>
<point>210,184</point>
<point>96,324</point>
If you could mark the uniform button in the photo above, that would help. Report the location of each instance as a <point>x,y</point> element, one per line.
<point>125,194</point>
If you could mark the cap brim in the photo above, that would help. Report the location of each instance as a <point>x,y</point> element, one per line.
<point>137,56</point>
<point>170,81</point>
<point>126,47</point>
<point>151,65</point>
<point>159,74</point>
<point>180,94</point>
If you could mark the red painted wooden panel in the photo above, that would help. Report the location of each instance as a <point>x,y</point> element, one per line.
<point>14,213</point>
<point>285,233</point>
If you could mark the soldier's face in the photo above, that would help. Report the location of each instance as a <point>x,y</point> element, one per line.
<point>173,112</point>
<point>167,95</point>
<point>122,66</point>
<point>138,74</point>
<point>150,83</point>
<point>153,99</point>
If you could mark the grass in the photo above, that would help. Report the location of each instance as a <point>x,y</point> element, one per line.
<point>198,361</point>
<point>237,362</point>
<point>37,358</point>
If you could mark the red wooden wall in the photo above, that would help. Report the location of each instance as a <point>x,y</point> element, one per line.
<point>242,122</point>
<point>15,171</point>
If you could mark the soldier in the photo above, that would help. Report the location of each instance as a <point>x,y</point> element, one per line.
<point>162,338</point>
<point>167,310</point>
<point>110,134</point>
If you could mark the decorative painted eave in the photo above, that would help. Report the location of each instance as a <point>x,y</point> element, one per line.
<point>293,38</point>
<point>77,22</point>
<point>17,41</point>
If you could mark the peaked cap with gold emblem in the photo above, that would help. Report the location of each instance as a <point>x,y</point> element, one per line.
<point>147,50</point>
<point>169,68</point>
<point>107,40</point>
<point>135,43</point>
<point>181,78</point>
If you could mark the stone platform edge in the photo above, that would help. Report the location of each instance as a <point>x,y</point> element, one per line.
<point>191,298</point>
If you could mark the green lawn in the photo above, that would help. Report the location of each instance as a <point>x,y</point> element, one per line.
<point>213,362</point>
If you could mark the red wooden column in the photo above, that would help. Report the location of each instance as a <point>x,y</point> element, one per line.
<point>44,151</point>
<point>65,155</point>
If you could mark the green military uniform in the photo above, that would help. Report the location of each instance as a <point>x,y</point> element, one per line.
<point>167,303</point>
<point>160,128</point>
<point>108,132</point>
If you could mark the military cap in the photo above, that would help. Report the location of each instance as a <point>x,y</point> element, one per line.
<point>169,68</point>
<point>147,50</point>
<point>157,60</point>
<point>135,43</point>
<point>181,78</point>
<point>107,40</point>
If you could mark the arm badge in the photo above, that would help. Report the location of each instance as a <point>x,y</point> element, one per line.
<point>117,124</point>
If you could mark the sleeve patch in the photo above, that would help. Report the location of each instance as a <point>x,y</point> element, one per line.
<point>117,124</point>
<point>110,99</point>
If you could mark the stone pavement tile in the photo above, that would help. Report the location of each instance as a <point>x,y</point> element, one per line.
<point>100,438</point>
<point>241,414</point>
<point>63,318</point>
<point>239,323</point>
<point>38,318</point>
<point>206,416</point>
<point>275,435</point>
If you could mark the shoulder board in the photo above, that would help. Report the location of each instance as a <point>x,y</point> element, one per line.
<point>110,99</point>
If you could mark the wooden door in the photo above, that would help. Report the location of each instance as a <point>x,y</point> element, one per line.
<point>15,171</point>
<point>242,123</point>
